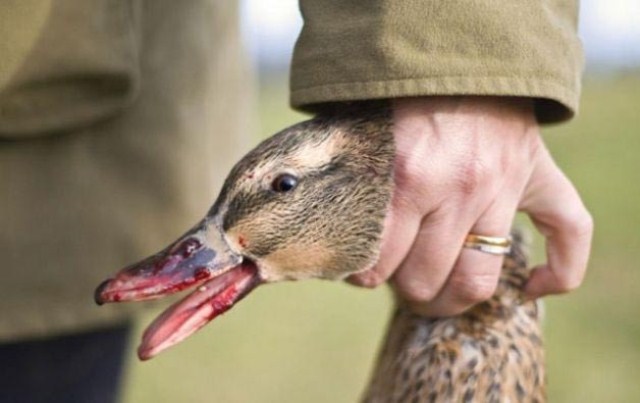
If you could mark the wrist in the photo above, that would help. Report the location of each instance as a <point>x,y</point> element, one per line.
<point>467,106</point>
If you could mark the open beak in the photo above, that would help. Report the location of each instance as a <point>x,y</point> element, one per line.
<point>200,258</point>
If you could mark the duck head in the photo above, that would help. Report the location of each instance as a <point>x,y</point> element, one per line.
<point>309,202</point>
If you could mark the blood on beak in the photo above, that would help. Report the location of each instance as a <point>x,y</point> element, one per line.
<point>199,255</point>
<point>202,258</point>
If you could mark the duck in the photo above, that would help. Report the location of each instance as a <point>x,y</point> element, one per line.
<point>310,202</point>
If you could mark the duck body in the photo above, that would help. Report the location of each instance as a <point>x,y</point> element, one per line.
<point>310,202</point>
<point>491,353</point>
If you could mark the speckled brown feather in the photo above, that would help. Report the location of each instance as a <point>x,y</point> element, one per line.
<point>491,353</point>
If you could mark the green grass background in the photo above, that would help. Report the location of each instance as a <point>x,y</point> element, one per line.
<point>315,341</point>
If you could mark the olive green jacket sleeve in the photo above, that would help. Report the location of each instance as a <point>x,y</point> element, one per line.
<point>358,49</point>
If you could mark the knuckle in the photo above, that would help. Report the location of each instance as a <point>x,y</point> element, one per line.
<point>585,225</point>
<point>417,291</point>
<point>567,284</point>
<point>411,185</point>
<point>579,224</point>
<point>370,280</point>
<point>408,170</point>
<point>402,172</point>
<point>475,289</point>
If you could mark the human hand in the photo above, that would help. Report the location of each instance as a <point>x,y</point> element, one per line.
<point>466,165</point>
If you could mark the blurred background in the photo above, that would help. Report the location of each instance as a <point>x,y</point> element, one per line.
<point>316,341</point>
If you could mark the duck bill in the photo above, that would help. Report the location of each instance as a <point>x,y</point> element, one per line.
<point>185,317</point>
<point>200,258</point>
<point>199,255</point>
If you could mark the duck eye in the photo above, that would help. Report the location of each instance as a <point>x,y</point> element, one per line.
<point>284,183</point>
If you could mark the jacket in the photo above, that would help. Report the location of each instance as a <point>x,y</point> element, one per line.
<point>119,120</point>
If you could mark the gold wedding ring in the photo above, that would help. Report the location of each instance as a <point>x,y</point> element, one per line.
<point>495,245</point>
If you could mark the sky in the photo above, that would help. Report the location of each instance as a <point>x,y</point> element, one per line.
<point>610,31</point>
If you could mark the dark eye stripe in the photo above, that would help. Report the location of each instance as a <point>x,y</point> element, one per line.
<point>243,204</point>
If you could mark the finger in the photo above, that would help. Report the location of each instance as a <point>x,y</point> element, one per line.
<point>432,256</point>
<point>400,228</point>
<point>475,275</point>
<point>558,212</point>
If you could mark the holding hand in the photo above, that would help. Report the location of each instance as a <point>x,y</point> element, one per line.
<point>466,165</point>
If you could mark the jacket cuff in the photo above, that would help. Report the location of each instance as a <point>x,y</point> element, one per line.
<point>357,50</point>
